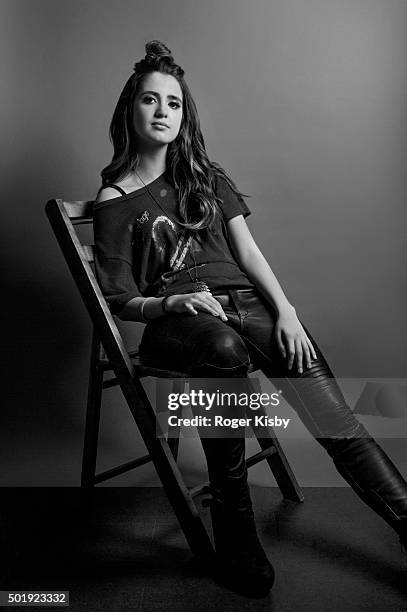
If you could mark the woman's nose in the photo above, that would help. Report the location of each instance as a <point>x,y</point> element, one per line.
<point>161,111</point>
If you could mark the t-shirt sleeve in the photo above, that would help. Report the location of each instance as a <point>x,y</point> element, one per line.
<point>233,204</point>
<point>113,233</point>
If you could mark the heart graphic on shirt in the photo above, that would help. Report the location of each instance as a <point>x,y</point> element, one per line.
<point>167,240</point>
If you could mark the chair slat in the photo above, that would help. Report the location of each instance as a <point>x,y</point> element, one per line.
<point>79,209</point>
<point>89,252</point>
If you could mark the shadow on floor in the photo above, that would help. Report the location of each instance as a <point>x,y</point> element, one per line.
<point>122,549</point>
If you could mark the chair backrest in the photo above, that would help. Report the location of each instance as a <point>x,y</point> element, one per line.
<point>64,216</point>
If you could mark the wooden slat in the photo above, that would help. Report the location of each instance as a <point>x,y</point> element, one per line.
<point>271,450</point>
<point>276,459</point>
<point>122,469</point>
<point>79,209</point>
<point>95,388</point>
<point>89,252</point>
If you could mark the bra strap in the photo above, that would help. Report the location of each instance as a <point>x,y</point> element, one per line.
<point>119,189</point>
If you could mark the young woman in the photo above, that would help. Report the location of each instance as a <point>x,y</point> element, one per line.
<point>173,250</point>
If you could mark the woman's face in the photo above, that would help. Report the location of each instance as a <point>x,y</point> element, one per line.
<point>158,110</point>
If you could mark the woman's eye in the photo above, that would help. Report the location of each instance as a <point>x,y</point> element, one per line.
<point>148,99</point>
<point>174,105</point>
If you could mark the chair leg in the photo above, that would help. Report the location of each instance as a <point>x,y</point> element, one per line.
<point>177,386</point>
<point>277,461</point>
<point>95,389</point>
<point>183,505</point>
<point>168,472</point>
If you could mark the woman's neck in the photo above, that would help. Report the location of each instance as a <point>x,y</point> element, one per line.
<point>152,164</point>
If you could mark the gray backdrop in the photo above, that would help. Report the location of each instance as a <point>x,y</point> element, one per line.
<point>302,101</point>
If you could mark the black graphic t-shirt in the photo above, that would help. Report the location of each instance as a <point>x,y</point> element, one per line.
<point>140,250</point>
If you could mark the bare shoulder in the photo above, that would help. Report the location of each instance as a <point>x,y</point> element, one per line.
<point>127,184</point>
<point>107,193</point>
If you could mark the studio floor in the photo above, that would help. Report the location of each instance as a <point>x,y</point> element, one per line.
<point>123,550</point>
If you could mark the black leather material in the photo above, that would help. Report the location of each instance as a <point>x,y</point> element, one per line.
<point>204,343</point>
<point>372,474</point>
<point>242,564</point>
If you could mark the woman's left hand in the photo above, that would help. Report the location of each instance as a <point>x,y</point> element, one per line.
<point>292,340</point>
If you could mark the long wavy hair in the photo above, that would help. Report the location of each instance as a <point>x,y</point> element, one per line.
<point>192,174</point>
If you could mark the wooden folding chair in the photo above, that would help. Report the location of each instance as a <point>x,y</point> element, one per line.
<point>108,352</point>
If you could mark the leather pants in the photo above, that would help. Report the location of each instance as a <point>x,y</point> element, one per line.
<point>203,345</point>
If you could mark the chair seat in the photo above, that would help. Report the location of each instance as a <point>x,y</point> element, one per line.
<point>145,367</point>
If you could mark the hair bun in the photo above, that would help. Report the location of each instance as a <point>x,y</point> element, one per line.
<point>158,57</point>
<point>156,50</point>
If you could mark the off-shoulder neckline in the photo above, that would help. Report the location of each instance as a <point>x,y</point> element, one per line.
<point>131,194</point>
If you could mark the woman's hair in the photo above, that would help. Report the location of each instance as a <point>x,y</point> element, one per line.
<point>188,166</point>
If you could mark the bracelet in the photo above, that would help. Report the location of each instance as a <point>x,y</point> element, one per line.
<point>143,317</point>
<point>163,302</point>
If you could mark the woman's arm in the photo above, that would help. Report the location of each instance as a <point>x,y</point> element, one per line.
<point>254,264</point>
<point>147,309</point>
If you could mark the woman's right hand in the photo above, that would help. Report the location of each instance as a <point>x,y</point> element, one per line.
<point>192,302</point>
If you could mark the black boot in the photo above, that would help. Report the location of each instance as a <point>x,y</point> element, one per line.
<point>374,477</point>
<point>242,564</point>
